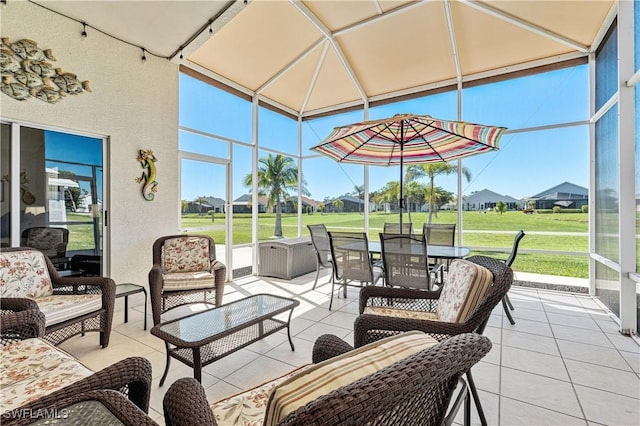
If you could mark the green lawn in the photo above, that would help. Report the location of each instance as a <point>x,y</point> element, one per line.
<point>505,225</point>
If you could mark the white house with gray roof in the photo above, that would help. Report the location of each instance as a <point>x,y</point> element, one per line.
<point>486,199</point>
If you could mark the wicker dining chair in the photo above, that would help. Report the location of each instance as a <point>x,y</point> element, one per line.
<point>386,311</point>
<point>322,247</point>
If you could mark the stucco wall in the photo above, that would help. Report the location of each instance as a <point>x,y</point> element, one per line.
<point>135,104</point>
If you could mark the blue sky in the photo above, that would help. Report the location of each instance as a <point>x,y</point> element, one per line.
<point>526,163</point>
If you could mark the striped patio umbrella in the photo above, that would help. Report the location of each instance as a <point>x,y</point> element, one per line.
<point>408,139</point>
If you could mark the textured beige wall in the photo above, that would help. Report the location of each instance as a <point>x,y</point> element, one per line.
<point>134,104</point>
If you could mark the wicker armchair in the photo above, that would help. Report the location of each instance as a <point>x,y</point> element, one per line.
<point>419,304</point>
<point>416,390</point>
<point>71,306</point>
<point>22,321</point>
<point>185,270</point>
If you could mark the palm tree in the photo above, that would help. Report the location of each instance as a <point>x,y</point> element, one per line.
<point>277,175</point>
<point>200,201</point>
<point>431,170</point>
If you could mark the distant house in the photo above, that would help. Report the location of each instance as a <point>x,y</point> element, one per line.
<point>351,204</point>
<point>486,199</point>
<point>308,205</point>
<point>216,203</point>
<point>208,204</point>
<point>242,204</point>
<point>566,195</point>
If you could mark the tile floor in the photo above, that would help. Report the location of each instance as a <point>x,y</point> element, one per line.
<point>563,362</point>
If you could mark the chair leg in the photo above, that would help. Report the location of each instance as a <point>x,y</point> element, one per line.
<point>506,296</point>
<point>317,275</point>
<point>332,290</point>
<point>476,399</point>
<point>507,311</point>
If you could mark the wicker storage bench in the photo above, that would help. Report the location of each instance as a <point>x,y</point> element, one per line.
<point>287,258</point>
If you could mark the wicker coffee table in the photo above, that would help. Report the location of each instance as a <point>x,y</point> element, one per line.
<point>204,337</point>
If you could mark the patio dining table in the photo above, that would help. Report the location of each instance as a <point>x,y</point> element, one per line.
<point>434,251</point>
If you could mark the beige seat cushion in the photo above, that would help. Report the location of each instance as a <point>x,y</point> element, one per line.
<point>188,281</point>
<point>24,273</point>
<point>466,284</point>
<point>323,378</point>
<point>33,368</point>
<point>59,308</point>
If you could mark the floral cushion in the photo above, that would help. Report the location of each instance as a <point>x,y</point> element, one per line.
<point>185,254</point>
<point>327,376</point>
<point>465,286</point>
<point>24,274</point>
<point>59,308</point>
<point>401,313</point>
<point>188,281</point>
<point>247,408</point>
<point>32,368</point>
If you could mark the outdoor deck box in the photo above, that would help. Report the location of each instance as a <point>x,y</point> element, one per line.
<point>286,258</point>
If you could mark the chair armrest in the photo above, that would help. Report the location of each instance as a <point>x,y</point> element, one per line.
<point>328,346</point>
<point>131,376</point>
<point>369,328</point>
<point>372,292</point>
<point>21,319</point>
<point>185,404</point>
<point>155,290</point>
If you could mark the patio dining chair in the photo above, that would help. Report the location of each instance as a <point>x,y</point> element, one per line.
<point>394,228</point>
<point>506,303</point>
<point>405,261</point>
<point>439,234</point>
<point>351,261</point>
<point>320,240</point>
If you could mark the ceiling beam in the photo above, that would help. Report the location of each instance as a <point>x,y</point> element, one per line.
<point>307,13</point>
<point>314,78</point>
<point>490,10</point>
<point>452,39</point>
<point>372,19</point>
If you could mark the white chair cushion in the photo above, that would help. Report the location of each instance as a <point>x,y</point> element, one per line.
<point>466,284</point>
<point>33,368</point>
<point>322,378</point>
<point>188,281</point>
<point>185,254</point>
<point>59,308</point>
<point>24,273</point>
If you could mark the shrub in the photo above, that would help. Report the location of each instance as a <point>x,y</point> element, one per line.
<point>556,209</point>
<point>585,209</point>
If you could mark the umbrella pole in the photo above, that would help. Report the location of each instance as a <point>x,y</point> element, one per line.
<point>401,173</point>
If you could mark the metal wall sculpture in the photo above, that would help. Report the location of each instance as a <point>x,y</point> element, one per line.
<point>148,178</point>
<point>26,73</point>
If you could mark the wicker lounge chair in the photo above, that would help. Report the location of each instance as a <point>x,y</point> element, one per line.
<point>185,270</point>
<point>22,326</point>
<point>71,306</point>
<point>399,310</point>
<point>415,390</point>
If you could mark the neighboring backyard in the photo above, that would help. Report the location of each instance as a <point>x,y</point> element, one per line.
<point>487,233</point>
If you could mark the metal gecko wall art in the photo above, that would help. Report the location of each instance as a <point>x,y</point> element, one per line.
<point>26,73</point>
<point>148,178</point>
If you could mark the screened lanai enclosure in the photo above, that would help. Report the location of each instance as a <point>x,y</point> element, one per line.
<point>263,80</point>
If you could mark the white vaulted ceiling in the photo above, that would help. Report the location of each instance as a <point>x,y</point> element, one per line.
<point>307,57</point>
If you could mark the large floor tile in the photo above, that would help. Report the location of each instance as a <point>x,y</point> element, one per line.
<point>514,413</point>
<point>609,409</point>
<point>573,334</point>
<point>532,342</point>
<point>604,378</point>
<point>592,354</point>
<point>534,362</point>
<point>544,392</point>
<point>528,326</point>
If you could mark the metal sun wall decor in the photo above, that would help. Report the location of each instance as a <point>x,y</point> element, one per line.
<point>148,178</point>
<point>26,73</point>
